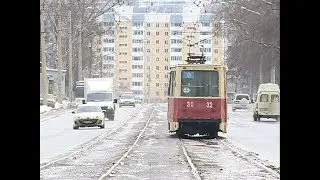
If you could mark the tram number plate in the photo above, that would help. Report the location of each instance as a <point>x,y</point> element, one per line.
<point>209,105</point>
<point>190,104</point>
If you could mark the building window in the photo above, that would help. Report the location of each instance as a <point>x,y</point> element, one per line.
<point>166,50</point>
<point>122,62</point>
<point>123,36</point>
<point>166,33</point>
<point>216,51</point>
<point>99,50</point>
<point>166,67</point>
<point>108,40</point>
<point>165,84</point>
<point>157,76</point>
<point>137,58</point>
<point>148,50</point>
<point>165,42</point>
<point>157,33</point>
<point>157,93</point>
<point>137,41</point>
<point>148,41</point>
<point>216,59</point>
<point>136,83</point>
<point>139,49</point>
<point>123,53</point>
<point>122,45</point>
<point>205,49</point>
<point>176,58</point>
<point>138,75</point>
<point>157,41</point>
<point>176,32</point>
<point>215,41</point>
<point>137,32</point>
<point>166,76</point>
<point>148,33</point>
<point>157,84</point>
<point>176,41</point>
<point>157,50</point>
<point>157,25</point>
<point>166,59</point>
<point>176,49</point>
<point>157,67</point>
<point>148,24</point>
<point>166,24</point>
<point>157,59</point>
<point>137,66</point>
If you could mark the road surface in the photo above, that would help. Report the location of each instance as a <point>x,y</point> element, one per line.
<point>261,137</point>
<point>57,136</point>
<point>140,147</point>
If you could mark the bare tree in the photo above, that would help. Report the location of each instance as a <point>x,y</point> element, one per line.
<point>252,28</point>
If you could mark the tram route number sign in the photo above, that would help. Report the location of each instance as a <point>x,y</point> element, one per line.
<point>208,104</point>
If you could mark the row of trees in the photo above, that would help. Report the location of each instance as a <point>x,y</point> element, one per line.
<point>78,18</point>
<point>252,28</point>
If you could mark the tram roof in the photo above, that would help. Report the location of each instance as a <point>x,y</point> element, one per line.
<point>199,65</point>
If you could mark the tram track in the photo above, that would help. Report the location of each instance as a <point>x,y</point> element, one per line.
<point>89,143</point>
<point>109,171</point>
<point>218,156</point>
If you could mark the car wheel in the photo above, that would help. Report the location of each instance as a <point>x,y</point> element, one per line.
<point>102,127</point>
<point>75,127</point>
<point>233,109</point>
<point>278,118</point>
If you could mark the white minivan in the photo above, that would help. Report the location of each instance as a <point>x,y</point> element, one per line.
<point>267,104</point>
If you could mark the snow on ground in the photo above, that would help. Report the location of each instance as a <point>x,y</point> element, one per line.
<point>65,104</point>
<point>44,109</point>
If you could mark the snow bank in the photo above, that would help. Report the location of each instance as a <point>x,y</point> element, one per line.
<point>44,109</point>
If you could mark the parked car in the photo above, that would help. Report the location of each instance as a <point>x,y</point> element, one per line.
<point>51,100</point>
<point>241,101</point>
<point>88,116</point>
<point>127,100</point>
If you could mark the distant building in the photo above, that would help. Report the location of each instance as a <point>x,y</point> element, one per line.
<point>143,40</point>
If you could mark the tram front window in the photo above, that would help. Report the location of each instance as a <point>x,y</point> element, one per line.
<point>200,83</point>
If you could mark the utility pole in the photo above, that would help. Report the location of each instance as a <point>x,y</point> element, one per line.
<point>59,55</point>
<point>70,57</point>
<point>80,77</point>
<point>261,61</point>
<point>43,57</point>
<point>273,68</point>
<point>90,59</point>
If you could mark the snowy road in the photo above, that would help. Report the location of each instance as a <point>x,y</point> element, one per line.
<point>261,137</point>
<point>57,136</point>
<point>142,148</point>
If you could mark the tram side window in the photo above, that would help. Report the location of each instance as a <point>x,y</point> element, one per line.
<point>200,84</point>
<point>172,83</point>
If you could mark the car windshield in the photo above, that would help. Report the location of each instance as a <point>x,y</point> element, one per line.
<point>239,97</point>
<point>82,109</point>
<point>126,97</point>
<point>98,97</point>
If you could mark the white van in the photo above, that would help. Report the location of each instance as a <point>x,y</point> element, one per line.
<point>267,104</point>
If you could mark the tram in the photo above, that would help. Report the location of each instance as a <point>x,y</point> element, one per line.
<point>197,102</point>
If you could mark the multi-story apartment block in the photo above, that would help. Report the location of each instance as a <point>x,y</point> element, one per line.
<point>147,40</point>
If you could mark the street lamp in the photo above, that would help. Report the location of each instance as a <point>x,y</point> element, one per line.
<point>90,58</point>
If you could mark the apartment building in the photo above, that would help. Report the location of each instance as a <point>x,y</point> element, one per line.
<point>147,40</point>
